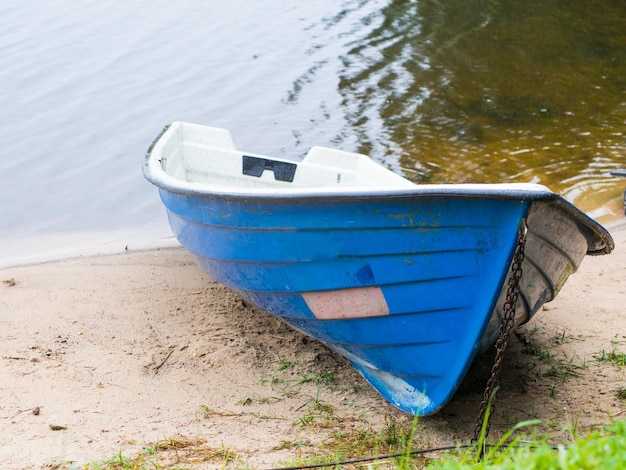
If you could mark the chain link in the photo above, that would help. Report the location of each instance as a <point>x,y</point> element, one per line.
<point>507,322</point>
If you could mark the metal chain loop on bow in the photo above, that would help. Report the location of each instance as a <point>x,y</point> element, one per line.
<point>507,322</point>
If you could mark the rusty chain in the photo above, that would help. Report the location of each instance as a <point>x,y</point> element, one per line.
<point>507,322</point>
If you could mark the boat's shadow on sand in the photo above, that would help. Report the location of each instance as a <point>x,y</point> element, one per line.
<point>538,382</point>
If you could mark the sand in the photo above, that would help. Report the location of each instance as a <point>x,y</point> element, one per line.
<point>107,354</point>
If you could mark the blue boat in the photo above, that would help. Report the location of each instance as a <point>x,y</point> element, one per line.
<point>406,281</point>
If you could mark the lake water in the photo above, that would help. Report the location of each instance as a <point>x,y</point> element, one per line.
<point>440,91</point>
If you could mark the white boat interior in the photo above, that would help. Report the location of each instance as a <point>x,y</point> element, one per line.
<point>203,159</point>
<point>201,154</point>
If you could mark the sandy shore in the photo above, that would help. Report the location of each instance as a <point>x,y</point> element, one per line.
<point>114,353</point>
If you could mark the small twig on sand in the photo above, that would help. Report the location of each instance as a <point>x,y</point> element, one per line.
<point>156,368</point>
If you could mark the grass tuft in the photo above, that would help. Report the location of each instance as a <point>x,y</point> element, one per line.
<point>173,453</point>
<point>613,356</point>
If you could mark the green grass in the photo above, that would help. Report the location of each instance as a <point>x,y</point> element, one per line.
<point>613,356</point>
<point>600,449</point>
<point>356,449</point>
<point>548,363</point>
<point>361,448</point>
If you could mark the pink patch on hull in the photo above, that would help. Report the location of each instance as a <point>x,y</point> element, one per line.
<point>347,303</point>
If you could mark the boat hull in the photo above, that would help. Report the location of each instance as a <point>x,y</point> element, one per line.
<point>404,289</point>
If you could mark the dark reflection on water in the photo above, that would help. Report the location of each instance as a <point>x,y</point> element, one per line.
<point>489,91</point>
